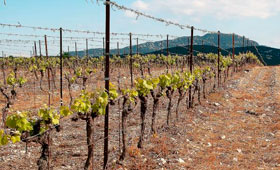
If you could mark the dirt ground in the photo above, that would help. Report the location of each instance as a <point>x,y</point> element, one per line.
<point>236,127</point>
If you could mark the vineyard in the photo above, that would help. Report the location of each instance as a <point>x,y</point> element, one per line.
<point>133,110</point>
<point>137,112</point>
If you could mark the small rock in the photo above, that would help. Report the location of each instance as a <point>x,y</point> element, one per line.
<point>209,144</point>
<point>217,104</point>
<point>272,134</point>
<point>239,150</point>
<point>163,161</point>
<point>263,115</point>
<point>181,160</point>
<point>235,159</point>
<point>223,137</point>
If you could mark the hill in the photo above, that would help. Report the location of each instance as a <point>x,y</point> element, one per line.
<point>271,56</point>
<point>207,39</point>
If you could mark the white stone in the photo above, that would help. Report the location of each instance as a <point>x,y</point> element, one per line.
<point>181,160</point>
<point>163,161</point>
<point>217,104</point>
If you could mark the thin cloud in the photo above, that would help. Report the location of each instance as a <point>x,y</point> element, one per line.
<point>140,5</point>
<point>130,14</point>
<point>220,9</point>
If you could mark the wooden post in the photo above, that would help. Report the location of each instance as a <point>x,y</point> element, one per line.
<point>233,51</point>
<point>61,55</point>
<point>137,49</point>
<point>243,44</point>
<point>191,51</point>
<point>76,50</point>
<point>35,49</point>
<point>49,95</point>
<point>107,81</point>
<point>40,48</point>
<point>48,69</point>
<point>247,44</point>
<point>191,67</point>
<point>87,48</point>
<point>161,46</point>
<point>219,58</point>
<point>233,44</point>
<point>118,48</point>
<point>167,45</point>
<point>131,60</point>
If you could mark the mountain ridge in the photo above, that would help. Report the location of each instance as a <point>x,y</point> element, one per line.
<point>180,45</point>
<point>207,39</point>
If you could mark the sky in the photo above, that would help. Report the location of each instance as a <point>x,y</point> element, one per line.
<point>255,19</point>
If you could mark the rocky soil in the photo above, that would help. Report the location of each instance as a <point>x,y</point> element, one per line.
<point>235,127</point>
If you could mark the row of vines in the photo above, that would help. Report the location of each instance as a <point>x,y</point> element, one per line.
<point>158,78</point>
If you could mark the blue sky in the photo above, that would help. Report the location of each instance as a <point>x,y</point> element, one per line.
<point>258,20</point>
